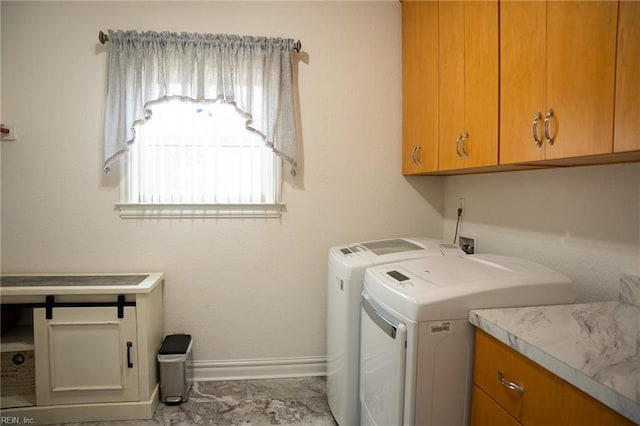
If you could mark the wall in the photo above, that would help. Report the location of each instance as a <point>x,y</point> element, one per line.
<point>584,221</point>
<point>245,289</point>
<point>255,289</point>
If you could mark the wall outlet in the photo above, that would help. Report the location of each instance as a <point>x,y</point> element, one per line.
<point>8,132</point>
<point>468,244</point>
<point>461,206</point>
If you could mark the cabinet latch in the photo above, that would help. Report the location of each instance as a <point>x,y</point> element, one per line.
<point>48,306</point>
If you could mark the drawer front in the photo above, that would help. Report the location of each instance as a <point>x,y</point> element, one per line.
<point>525,390</point>
<point>493,358</point>
<point>486,412</point>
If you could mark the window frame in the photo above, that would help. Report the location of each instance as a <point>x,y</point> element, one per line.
<point>199,211</point>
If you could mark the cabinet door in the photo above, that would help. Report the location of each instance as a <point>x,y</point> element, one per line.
<point>85,355</point>
<point>451,94</point>
<point>481,83</point>
<point>580,76</point>
<point>468,95</point>
<point>522,79</point>
<point>626,133</point>
<point>419,87</point>
<point>578,408</point>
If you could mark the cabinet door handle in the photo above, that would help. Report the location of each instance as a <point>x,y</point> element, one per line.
<point>129,363</point>
<point>415,155</point>
<point>464,144</point>
<point>508,384</point>
<point>534,129</point>
<point>458,146</point>
<point>547,117</point>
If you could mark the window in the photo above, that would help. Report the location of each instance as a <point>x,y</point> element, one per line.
<point>202,120</point>
<point>199,159</point>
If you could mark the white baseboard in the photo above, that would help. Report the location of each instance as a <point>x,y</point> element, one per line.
<point>268,368</point>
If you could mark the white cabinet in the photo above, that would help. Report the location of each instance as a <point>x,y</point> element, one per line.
<point>85,355</point>
<point>95,344</point>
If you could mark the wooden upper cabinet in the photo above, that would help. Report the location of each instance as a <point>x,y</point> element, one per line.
<point>451,94</point>
<point>581,58</point>
<point>481,82</point>
<point>468,88</point>
<point>420,87</point>
<point>557,59</point>
<point>522,79</point>
<point>627,108</point>
<point>488,83</point>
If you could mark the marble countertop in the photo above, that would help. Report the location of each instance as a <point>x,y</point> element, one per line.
<point>593,346</point>
<point>65,284</point>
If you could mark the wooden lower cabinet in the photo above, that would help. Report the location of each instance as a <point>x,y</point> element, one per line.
<point>543,399</point>
<point>487,412</point>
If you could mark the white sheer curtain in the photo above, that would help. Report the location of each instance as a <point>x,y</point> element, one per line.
<point>192,153</point>
<point>252,73</point>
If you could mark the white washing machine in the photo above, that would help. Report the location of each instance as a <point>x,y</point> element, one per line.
<point>346,270</point>
<point>416,341</point>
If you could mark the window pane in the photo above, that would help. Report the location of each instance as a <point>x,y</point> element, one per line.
<point>200,153</point>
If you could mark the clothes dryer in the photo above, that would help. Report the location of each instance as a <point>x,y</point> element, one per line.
<point>416,341</point>
<point>346,268</point>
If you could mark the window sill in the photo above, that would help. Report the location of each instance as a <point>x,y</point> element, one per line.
<point>199,211</point>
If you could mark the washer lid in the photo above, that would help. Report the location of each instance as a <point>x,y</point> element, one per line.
<point>446,287</point>
<point>350,260</point>
<point>390,246</point>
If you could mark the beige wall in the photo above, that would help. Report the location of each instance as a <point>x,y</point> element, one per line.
<point>584,221</point>
<point>255,289</point>
<point>246,289</point>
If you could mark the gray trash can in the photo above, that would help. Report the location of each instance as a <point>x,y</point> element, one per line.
<point>173,356</point>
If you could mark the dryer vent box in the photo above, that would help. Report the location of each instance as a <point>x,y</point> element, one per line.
<point>468,244</point>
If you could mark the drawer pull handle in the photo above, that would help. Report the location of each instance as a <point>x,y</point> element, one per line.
<point>509,384</point>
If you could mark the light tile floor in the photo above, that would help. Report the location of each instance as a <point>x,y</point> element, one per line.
<point>294,401</point>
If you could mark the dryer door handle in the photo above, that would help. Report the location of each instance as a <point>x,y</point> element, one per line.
<point>385,324</point>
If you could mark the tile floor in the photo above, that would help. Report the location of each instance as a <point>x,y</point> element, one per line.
<point>294,401</point>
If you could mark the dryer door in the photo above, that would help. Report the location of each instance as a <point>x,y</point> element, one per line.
<point>382,366</point>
